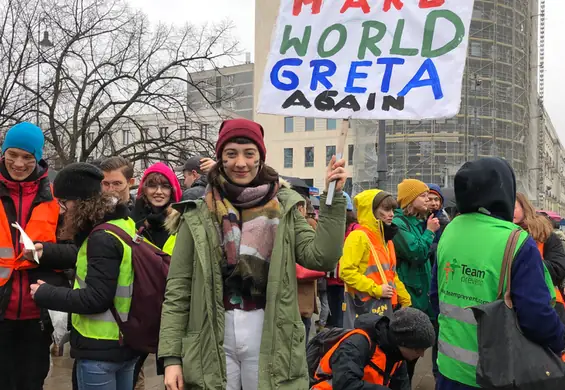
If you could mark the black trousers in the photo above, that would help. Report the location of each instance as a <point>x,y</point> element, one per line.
<point>335,301</point>
<point>24,354</point>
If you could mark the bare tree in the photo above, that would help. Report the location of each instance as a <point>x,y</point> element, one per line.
<point>106,71</point>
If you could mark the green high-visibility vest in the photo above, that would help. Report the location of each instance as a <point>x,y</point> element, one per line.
<point>170,244</point>
<point>469,259</point>
<point>103,325</point>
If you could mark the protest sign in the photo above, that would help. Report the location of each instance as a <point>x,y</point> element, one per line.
<point>367,59</point>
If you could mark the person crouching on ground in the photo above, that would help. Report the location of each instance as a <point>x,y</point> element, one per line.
<point>368,356</point>
<point>365,250</point>
<point>104,280</point>
<point>230,317</point>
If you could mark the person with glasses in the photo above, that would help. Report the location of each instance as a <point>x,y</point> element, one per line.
<point>159,187</point>
<point>26,199</point>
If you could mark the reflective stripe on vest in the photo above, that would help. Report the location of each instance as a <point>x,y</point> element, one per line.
<point>468,275</point>
<point>41,226</point>
<point>371,374</point>
<point>103,325</point>
<point>386,257</point>
<point>558,295</point>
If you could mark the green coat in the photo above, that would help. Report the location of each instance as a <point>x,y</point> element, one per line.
<point>412,245</point>
<point>192,327</point>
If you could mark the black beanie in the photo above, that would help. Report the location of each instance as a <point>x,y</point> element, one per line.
<point>412,328</point>
<point>78,181</point>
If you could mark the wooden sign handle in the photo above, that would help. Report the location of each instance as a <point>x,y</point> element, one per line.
<point>338,155</point>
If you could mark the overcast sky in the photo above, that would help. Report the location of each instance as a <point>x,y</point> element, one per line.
<point>242,13</point>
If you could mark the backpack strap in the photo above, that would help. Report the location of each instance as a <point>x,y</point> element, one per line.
<point>121,233</point>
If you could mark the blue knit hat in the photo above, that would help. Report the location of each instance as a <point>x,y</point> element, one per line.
<point>349,202</point>
<point>25,136</point>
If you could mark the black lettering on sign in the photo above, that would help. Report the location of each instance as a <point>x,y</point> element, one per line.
<point>297,99</point>
<point>325,101</point>
<point>349,102</point>
<point>395,102</point>
<point>371,101</point>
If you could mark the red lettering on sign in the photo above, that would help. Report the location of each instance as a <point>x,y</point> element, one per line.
<point>356,4</point>
<point>297,7</point>
<point>431,3</point>
<point>398,4</point>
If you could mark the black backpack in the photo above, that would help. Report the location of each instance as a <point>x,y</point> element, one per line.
<point>319,346</point>
<point>150,266</point>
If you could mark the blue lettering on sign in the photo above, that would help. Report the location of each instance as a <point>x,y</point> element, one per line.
<point>319,76</point>
<point>389,62</point>
<point>354,75</point>
<point>417,81</point>
<point>291,76</point>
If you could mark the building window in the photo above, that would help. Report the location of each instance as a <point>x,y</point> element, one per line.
<point>476,49</point>
<point>89,139</point>
<point>204,131</point>
<point>288,124</point>
<point>125,137</point>
<point>309,124</point>
<point>164,131</point>
<point>350,152</point>
<point>348,186</point>
<point>288,157</point>
<point>330,152</point>
<point>309,156</point>
<point>184,130</point>
<point>332,124</point>
<point>309,182</point>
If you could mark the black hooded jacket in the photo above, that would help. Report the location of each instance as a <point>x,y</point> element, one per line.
<point>104,252</point>
<point>349,360</point>
<point>486,185</point>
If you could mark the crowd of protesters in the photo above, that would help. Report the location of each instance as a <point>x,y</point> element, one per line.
<point>236,312</point>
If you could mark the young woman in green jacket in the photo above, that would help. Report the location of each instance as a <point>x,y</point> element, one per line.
<point>230,318</point>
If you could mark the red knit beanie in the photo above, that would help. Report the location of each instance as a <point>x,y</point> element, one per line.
<point>235,128</point>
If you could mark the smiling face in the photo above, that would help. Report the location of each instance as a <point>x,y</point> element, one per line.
<point>19,163</point>
<point>434,201</point>
<point>157,190</point>
<point>241,162</point>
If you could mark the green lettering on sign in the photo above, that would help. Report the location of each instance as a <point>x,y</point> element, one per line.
<point>300,45</point>
<point>340,28</point>
<point>431,23</point>
<point>397,40</point>
<point>368,41</point>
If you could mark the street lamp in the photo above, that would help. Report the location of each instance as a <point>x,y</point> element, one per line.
<point>45,42</point>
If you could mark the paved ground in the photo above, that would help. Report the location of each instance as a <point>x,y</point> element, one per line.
<point>60,377</point>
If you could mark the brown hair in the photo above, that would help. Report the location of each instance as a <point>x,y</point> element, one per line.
<point>537,225</point>
<point>88,213</point>
<point>388,203</point>
<point>118,162</point>
<point>350,217</point>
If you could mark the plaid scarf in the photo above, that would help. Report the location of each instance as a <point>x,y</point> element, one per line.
<point>247,219</point>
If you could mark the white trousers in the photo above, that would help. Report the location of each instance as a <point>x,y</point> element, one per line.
<point>242,342</point>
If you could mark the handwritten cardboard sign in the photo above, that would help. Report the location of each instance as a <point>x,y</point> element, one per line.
<point>367,59</point>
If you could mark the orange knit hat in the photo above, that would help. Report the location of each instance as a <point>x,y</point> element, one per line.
<point>409,190</point>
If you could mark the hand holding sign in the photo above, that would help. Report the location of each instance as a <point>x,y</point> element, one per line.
<point>336,173</point>
<point>28,243</point>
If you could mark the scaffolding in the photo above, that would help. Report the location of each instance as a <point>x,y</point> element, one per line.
<point>495,108</point>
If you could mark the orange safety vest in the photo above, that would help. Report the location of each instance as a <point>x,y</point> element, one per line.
<point>42,226</point>
<point>558,295</point>
<point>386,257</point>
<point>374,371</point>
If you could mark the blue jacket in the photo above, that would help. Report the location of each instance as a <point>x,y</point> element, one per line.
<point>530,295</point>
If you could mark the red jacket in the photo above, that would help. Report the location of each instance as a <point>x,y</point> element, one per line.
<point>332,277</point>
<point>19,200</point>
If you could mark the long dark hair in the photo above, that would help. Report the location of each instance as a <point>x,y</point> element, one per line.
<point>266,174</point>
